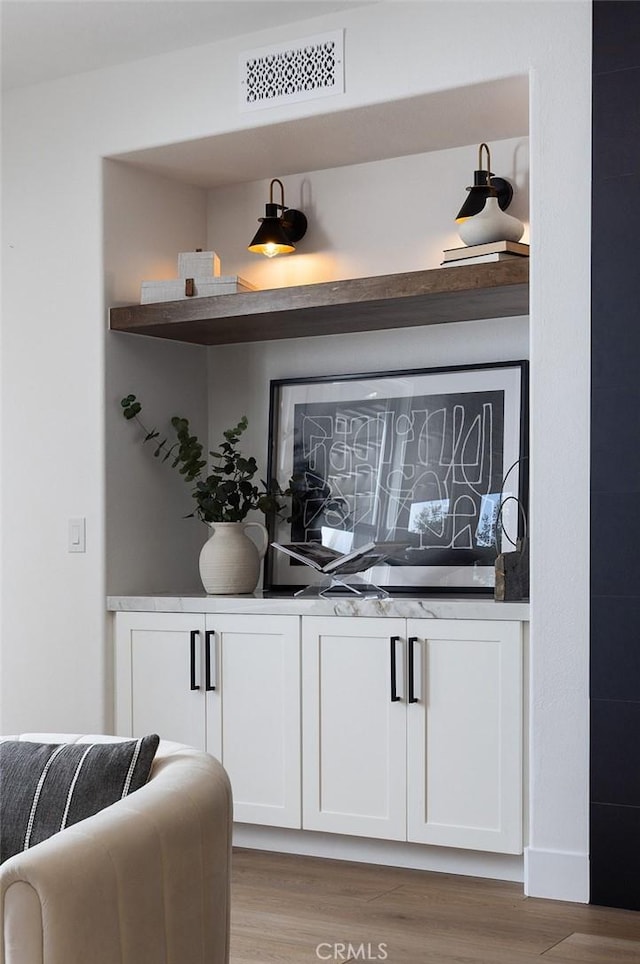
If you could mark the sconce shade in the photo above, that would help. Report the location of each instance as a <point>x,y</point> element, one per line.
<point>271,238</point>
<point>277,233</point>
<point>484,185</point>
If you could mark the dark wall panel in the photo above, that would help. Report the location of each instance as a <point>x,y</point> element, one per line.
<point>616,35</point>
<point>615,872</point>
<point>615,457</point>
<point>615,658</point>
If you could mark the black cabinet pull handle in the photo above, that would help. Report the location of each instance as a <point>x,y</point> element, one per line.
<point>207,660</point>
<point>195,635</point>
<point>411,643</point>
<point>394,683</point>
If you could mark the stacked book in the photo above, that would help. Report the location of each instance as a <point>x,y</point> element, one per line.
<point>480,253</point>
<point>198,277</point>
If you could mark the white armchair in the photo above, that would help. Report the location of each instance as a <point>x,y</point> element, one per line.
<point>144,881</point>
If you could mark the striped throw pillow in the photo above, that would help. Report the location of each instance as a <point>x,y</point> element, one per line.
<point>45,787</point>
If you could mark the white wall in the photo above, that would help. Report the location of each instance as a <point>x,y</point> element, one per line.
<point>53,646</point>
<point>377,218</point>
<point>147,218</point>
<point>150,547</point>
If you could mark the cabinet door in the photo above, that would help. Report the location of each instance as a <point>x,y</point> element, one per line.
<point>158,660</point>
<point>354,735</point>
<point>253,715</point>
<point>465,735</point>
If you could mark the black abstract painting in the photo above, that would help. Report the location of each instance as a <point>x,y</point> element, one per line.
<point>424,470</point>
<point>421,468</point>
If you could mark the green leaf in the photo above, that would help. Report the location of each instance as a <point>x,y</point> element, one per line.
<point>132,410</point>
<point>227,494</point>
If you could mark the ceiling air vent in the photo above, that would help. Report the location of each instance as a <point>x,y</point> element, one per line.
<point>298,70</point>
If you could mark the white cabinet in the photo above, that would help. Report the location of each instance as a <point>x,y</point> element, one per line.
<point>464,734</point>
<point>382,727</point>
<point>354,735</point>
<point>412,729</point>
<point>228,684</point>
<point>259,713</point>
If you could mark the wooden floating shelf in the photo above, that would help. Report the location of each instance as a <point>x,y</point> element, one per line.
<point>434,297</point>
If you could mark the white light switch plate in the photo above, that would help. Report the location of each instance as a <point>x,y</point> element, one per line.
<point>77,535</point>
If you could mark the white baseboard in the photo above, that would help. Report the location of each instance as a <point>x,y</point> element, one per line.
<point>389,853</point>
<point>556,875</point>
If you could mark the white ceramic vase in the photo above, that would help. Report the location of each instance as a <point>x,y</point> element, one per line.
<point>491,224</point>
<point>230,560</point>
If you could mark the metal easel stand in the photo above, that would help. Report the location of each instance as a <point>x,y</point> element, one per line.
<point>356,585</point>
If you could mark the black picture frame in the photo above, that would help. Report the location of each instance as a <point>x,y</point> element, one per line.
<point>433,457</point>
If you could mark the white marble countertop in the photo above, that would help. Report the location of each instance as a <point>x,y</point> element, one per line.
<point>436,607</point>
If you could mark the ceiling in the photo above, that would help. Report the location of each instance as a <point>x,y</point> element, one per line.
<point>490,111</point>
<point>43,40</point>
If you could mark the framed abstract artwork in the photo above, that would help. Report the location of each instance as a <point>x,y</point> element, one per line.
<point>432,459</point>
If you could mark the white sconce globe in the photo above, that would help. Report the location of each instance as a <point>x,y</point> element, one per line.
<point>491,224</point>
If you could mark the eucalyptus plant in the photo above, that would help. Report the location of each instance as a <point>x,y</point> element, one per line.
<point>228,493</point>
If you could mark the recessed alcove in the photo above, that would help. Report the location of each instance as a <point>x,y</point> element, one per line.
<point>381,185</point>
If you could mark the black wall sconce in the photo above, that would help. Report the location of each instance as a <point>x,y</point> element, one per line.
<point>278,233</point>
<point>484,185</point>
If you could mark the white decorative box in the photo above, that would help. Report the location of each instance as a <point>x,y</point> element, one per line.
<point>176,290</point>
<point>198,264</point>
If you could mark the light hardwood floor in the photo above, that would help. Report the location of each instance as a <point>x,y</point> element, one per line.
<point>302,910</point>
